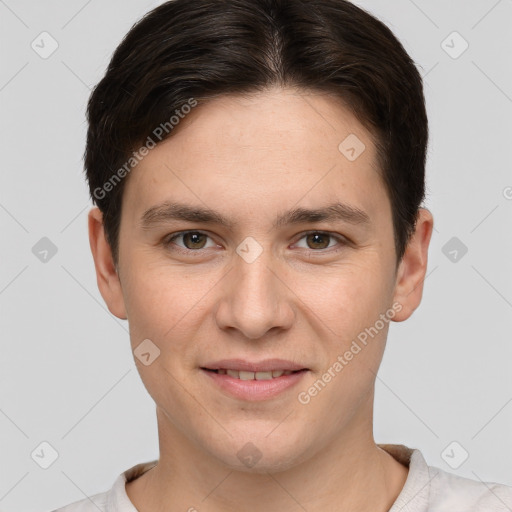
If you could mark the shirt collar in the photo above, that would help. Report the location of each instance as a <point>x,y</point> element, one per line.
<point>415,494</point>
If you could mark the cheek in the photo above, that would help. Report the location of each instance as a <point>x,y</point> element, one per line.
<point>167,306</point>
<point>350,304</point>
<point>349,298</point>
<point>152,302</point>
<point>150,289</point>
<point>162,310</point>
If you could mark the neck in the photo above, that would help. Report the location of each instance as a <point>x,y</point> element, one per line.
<point>351,472</point>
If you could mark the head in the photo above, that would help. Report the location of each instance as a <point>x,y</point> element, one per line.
<point>247,124</point>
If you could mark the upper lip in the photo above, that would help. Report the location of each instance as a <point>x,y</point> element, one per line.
<point>267,365</point>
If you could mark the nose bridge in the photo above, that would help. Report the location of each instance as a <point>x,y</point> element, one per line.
<point>256,300</point>
<point>255,280</point>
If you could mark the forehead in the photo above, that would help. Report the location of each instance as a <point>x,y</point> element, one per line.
<point>265,150</point>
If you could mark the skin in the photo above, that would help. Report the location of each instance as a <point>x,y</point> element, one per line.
<point>251,158</point>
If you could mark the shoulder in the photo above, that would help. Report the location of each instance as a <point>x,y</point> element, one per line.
<point>455,493</point>
<point>113,500</point>
<point>431,489</point>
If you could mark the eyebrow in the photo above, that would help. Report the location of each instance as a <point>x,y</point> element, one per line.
<point>169,211</point>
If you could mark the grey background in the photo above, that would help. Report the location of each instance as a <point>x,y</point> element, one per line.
<point>67,376</point>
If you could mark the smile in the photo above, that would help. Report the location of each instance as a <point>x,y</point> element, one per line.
<point>246,375</point>
<point>252,385</point>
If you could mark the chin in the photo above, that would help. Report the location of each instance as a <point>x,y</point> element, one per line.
<point>260,453</point>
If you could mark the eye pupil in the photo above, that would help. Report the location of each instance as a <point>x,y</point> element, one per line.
<point>319,238</point>
<point>194,237</point>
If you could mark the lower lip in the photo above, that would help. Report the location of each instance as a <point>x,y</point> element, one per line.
<point>255,389</point>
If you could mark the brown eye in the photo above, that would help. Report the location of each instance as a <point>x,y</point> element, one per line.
<point>318,240</point>
<point>191,241</point>
<point>196,240</point>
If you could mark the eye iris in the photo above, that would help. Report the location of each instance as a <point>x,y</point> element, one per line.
<point>319,238</point>
<point>194,237</point>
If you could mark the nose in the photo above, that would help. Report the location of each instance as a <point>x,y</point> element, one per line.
<point>256,298</point>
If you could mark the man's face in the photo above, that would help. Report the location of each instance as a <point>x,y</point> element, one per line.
<point>298,291</point>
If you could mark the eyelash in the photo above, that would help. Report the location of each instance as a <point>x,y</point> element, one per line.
<point>167,241</point>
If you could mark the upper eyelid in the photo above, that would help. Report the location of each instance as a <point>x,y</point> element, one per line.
<point>167,240</point>
<point>339,237</point>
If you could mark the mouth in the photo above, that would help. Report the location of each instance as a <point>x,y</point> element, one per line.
<point>253,381</point>
<point>247,375</point>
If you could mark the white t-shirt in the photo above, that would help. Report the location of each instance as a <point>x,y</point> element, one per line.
<point>427,489</point>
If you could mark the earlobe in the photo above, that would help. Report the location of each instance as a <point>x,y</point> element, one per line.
<point>413,267</point>
<point>106,273</point>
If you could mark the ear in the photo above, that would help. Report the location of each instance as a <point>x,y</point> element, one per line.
<point>106,273</point>
<point>413,267</point>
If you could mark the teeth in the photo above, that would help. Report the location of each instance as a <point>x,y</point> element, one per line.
<point>263,375</point>
<point>245,375</point>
